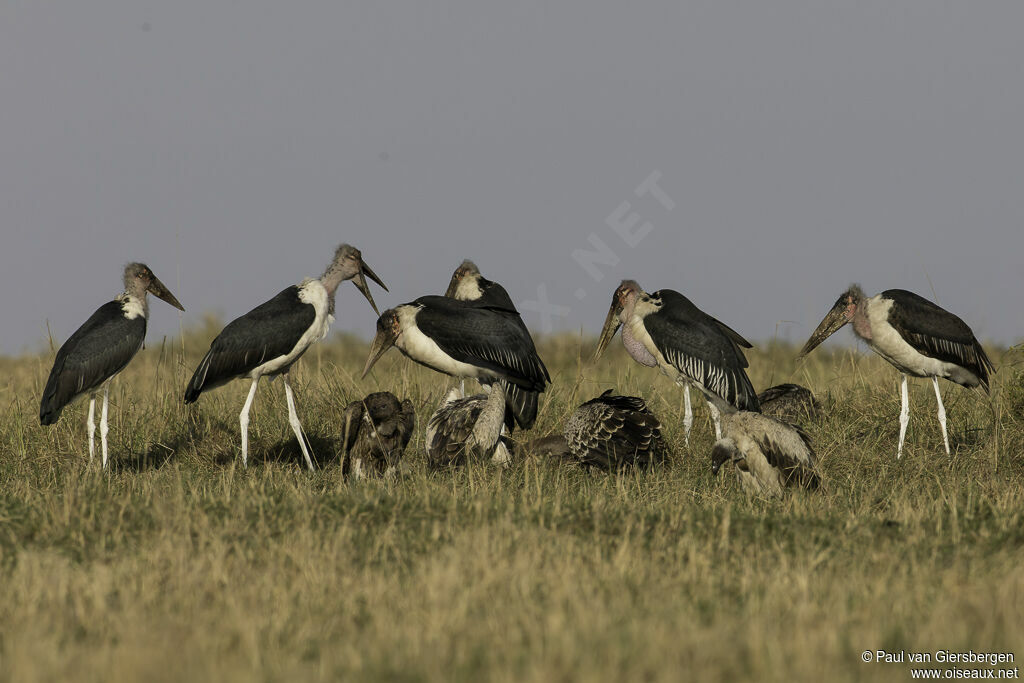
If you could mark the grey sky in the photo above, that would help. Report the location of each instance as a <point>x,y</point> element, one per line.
<point>232,146</point>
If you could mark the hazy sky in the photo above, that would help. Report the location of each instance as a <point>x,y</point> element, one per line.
<point>796,147</point>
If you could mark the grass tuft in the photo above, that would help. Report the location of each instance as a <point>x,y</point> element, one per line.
<point>178,564</point>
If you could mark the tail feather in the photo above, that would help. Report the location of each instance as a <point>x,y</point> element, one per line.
<point>195,385</point>
<point>49,412</point>
<point>746,397</point>
<point>52,403</point>
<point>521,405</point>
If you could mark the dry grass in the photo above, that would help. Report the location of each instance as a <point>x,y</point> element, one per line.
<point>177,564</point>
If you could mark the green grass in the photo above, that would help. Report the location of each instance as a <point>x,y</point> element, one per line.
<point>178,564</point>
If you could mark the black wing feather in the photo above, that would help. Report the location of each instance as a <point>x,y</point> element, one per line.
<point>268,331</point>
<point>484,338</point>
<point>98,350</point>
<point>937,333</point>
<point>702,348</point>
<point>522,403</point>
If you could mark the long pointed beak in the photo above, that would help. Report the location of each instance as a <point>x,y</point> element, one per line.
<point>157,289</point>
<point>381,343</point>
<point>611,326</point>
<point>360,283</point>
<point>373,276</point>
<point>453,286</point>
<point>835,319</point>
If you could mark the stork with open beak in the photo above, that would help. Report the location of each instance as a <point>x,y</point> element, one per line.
<point>102,347</point>
<point>665,330</point>
<point>915,336</point>
<point>270,338</point>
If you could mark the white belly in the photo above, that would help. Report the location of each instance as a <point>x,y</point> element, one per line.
<point>887,343</point>
<point>422,349</point>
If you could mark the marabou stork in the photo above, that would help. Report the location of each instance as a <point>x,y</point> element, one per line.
<point>463,340</point>
<point>377,430</point>
<point>456,432</point>
<point>665,330</point>
<point>916,336</point>
<point>100,349</point>
<point>770,455</point>
<point>467,284</point>
<point>789,402</point>
<point>267,340</point>
<point>609,432</point>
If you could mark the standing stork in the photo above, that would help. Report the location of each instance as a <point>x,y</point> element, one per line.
<point>916,336</point>
<point>463,340</point>
<point>267,340</point>
<point>769,455</point>
<point>467,284</point>
<point>99,349</point>
<point>665,330</point>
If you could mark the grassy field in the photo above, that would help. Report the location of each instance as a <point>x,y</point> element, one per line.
<point>178,564</point>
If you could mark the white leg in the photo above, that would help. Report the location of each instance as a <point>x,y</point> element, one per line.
<point>243,421</point>
<point>103,423</point>
<point>90,426</point>
<point>687,413</point>
<point>716,417</point>
<point>904,415</point>
<point>942,413</point>
<point>293,419</point>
